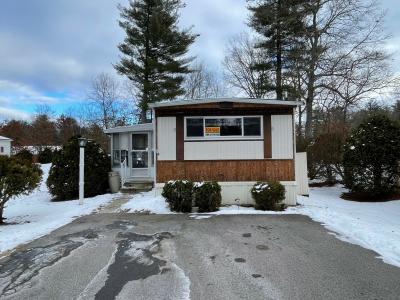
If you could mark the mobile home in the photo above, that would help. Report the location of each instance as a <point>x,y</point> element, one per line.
<point>235,142</point>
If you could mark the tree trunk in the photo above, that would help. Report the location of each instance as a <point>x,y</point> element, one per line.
<point>279,90</point>
<point>1,213</point>
<point>300,126</point>
<point>311,76</point>
<point>145,97</point>
<point>143,116</point>
<point>309,106</point>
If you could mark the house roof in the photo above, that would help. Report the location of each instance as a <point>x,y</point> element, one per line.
<point>218,100</point>
<point>132,128</point>
<point>3,138</point>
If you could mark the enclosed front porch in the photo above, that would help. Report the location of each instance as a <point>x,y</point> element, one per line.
<point>132,154</point>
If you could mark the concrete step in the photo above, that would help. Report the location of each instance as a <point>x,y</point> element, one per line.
<point>135,187</point>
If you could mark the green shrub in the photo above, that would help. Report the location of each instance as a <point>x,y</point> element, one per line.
<point>16,178</point>
<point>268,195</point>
<point>179,195</point>
<point>63,181</point>
<point>371,158</point>
<point>45,156</point>
<point>207,196</point>
<point>24,155</point>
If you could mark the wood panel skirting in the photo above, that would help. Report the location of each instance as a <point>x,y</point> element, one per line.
<point>226,170</point>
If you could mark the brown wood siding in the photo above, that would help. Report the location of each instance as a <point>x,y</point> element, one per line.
<point>179,139</point>
<point>226,170</point>
<point>214,109</point>
<point>267,136</point>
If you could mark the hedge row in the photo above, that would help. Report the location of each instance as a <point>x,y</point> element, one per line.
<point>182,195</point>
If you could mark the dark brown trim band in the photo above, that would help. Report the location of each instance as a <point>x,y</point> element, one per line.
<point>180,146</point>
<point>267,136</point>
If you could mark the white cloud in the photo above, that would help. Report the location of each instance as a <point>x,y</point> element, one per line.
<point>15,114</point>
<point>18,93</point>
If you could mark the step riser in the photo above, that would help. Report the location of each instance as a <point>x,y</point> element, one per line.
<point>138,186</point>
<point>134,191</point>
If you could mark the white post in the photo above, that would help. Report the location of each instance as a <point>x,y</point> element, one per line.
<point>81,174</point>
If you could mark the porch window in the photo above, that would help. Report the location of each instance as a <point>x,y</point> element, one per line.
<point>116,150</point>
<point>140,151</point>
<point>229,127</point>
<point>140,160</point>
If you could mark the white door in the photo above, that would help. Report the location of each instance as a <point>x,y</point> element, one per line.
<point>140,155</point>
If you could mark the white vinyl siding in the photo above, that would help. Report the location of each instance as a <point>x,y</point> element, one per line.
<point>301,173</point>
<point>224,150</point>
<point>6,144</point>
<point>166,138</point>
<point>282,136</point>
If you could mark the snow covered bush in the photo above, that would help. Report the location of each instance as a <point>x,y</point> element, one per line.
<point>207,196</point>
<point>268,195</point>
<point>63,180</point>
<point>45,156</point>
<point>371,158</point>
<point>179,195</point>
<point>16,178</point>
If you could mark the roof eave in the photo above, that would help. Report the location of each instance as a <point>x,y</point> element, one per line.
<point>234,100</point>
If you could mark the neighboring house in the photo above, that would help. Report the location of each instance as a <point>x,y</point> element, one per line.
<point>5,146</point>
<point>236,142</point>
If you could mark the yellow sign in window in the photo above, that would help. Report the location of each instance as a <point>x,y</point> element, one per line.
<point>213,131</point>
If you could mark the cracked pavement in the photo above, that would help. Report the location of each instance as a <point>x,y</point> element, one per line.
<point>129,256</point>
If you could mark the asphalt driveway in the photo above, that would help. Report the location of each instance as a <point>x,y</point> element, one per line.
<point>127,256</point>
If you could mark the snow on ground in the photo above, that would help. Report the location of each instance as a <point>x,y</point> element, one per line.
<point>373,225</point>
<point>36,215</point>
<point>148,203</point>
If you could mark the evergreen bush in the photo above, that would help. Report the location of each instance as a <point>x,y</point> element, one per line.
<point>24,155</point>
<point>16,178</point>
<point>63,180</point>
<point>207,196</point>
<point>268,195</point>
<point>179,195</point>
<point>45,156</point>
<point>371,158</point>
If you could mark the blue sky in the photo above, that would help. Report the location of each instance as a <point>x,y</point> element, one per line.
<point>50,50</point>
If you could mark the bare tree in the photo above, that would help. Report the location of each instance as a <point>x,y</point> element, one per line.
<point>341,59</point>
<point>359,77</point>
<point>106,108</point>
<point>203,83</point>
<point>242,67</point>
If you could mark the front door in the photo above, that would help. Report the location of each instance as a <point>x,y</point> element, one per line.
<point>140,155</point>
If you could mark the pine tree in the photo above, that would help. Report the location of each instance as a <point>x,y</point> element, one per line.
<point>154,50</point>
<point>281,23</point>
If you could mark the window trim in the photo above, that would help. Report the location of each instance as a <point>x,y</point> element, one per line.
<point>222,138</point>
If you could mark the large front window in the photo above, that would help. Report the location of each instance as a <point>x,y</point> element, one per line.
<point>223,127</point>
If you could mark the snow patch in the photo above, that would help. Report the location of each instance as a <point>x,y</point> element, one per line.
<point>372,225</point>
<point>147,203</point>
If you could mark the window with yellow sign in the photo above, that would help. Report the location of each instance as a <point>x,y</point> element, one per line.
<point>213,131</point>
